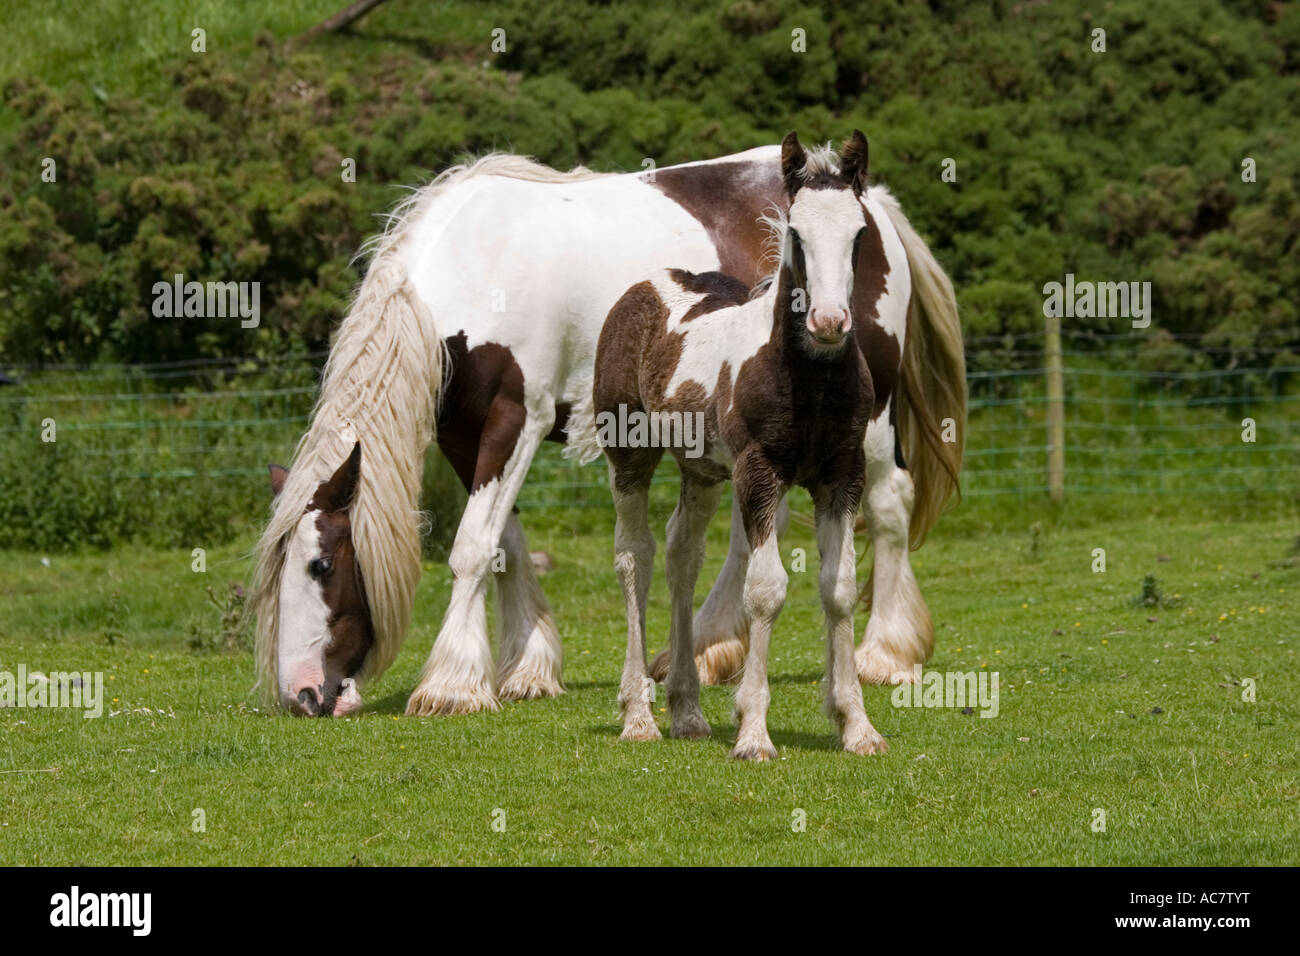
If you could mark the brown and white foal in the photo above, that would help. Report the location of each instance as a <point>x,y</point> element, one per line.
<point>782,396</point>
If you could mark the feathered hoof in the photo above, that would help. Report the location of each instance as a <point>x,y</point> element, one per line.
<point>691,727</point>
<point>529,685</point>
<point>753,749</point>
<point>877,666</point>
<point>867,742</point>
<point>429,701</point>
<point>640,729</point>
<point>719,663</point>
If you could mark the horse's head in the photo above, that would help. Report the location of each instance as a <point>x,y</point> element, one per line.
<point>824,226</point>
<point>325,630</point>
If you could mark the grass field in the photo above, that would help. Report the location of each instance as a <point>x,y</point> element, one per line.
<point>1136,711</point>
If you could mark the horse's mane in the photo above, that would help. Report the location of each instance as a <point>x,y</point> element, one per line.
<point>380,384</point>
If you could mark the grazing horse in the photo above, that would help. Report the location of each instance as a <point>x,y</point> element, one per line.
<point>476,326</point>
<point>782,395</point>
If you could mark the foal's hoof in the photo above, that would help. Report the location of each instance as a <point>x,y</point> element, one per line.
<point>640,729</point>
<point>757,750</point>
<point>869,742</point>
<point>691,727</point>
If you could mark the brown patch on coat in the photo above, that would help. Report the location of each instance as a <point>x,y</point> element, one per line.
<point>351,632</point>
<point>719,291</point>
<point>638,320</point>
<point>482,413</point>
<point>728,199</point>
<point>342,583</point>
<point>482,410</point>
<point>881,348</point>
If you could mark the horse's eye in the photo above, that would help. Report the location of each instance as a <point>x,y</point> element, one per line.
<point>318,567</point>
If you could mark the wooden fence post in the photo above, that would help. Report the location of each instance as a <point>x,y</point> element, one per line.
<point>1055,409</point>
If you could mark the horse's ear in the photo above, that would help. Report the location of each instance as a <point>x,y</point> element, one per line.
<point>336,494</point>
<point>279,475</point>
<point>853,162</point>
<point>793,160</point>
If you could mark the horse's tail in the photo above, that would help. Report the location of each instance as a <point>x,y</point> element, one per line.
<point>933,380</point>
<point>380,387</point>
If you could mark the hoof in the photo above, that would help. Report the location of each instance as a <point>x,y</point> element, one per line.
<point>868,742</point>
<point>757,750</point>
<point>691,727</point>
<point>876,666</point>
<point>640,729</point>
<point>519,685</point>
<point>720,663</point>
<point>430,701</point>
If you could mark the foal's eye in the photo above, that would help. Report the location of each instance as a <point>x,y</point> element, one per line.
<point>319,567</point>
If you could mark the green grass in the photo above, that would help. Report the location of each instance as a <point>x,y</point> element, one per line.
<point>1209,779</point>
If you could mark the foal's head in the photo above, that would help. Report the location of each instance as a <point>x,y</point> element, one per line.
<point>824,226</point>
<point>325,631</point>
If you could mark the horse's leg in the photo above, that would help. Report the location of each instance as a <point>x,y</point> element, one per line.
<point>686,531</point>
<point>459,676</point>
<point>764,596</point>
<point>721,628</point>
<point>839,594</point>
<point>530,656</point>
<point>634,553</point>
<point>900,635</point>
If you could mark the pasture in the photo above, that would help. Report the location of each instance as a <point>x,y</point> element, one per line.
<point>1146,713</point>
<point>1134,710</point>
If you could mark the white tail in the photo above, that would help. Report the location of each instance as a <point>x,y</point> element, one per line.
<point>933,379</point>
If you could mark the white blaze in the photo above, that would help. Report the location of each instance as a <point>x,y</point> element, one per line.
<point>304,616</point>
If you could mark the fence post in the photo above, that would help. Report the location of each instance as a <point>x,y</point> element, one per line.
<point>1055,408</point>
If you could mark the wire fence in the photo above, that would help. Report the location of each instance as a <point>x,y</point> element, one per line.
<point>1177,419</point>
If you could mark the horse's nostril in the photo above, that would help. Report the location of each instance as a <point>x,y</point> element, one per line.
<point>308,701</point>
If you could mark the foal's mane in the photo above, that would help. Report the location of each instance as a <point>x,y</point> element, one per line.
<point>821,161</point>
<point>386,366</point>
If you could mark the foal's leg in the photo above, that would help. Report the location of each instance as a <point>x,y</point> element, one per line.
<point>634,552</point>
<point>839,594</point>
<point>900,635</point>
<point>459,676</point>
<point>530,656</point>
<point>765,583</point>
<point>721,628</point>
<point>686,531</point>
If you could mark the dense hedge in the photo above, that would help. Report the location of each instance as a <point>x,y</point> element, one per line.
<point>1122,165</point>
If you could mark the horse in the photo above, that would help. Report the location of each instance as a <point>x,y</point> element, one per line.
<point>782,395</point>
<point>475,326</point>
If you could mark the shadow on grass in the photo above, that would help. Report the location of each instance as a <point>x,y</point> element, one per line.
<point>724,737</point>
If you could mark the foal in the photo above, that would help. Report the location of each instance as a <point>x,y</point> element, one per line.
<point>780,395</point>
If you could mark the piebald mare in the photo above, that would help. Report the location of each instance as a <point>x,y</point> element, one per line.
<point>784,395</point>
<point>476,326</point>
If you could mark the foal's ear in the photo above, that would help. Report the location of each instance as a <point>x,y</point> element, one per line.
<point>793,160</point>
<point>336,494</point>
<point>279,475</point>
<point>853,162</point>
